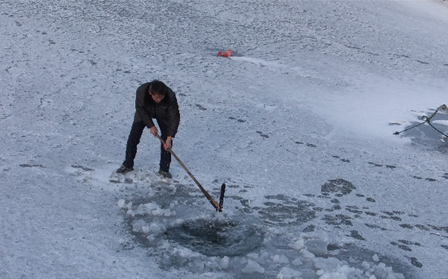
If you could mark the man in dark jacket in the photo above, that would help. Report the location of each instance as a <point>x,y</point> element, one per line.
<point>154,100</point>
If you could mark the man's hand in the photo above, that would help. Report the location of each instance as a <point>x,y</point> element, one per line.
<point>167,144</point>
<point>153,130</point>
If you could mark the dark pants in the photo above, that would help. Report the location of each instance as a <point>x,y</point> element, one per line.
<point>134,140</point>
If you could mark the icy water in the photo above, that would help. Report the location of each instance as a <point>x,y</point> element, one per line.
<point>181,231</point>
<point>218,237</point>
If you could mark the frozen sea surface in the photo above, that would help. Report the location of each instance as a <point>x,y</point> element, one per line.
<point>299,124</point>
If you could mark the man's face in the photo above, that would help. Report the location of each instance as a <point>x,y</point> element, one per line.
<point>156,97</point>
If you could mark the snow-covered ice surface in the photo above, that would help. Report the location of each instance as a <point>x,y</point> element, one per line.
<point>299,124</point>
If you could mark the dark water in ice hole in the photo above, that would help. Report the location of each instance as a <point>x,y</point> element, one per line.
<point>217,237</point>
<point>210,236</point>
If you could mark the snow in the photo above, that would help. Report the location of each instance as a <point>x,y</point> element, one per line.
<point>298,123</point>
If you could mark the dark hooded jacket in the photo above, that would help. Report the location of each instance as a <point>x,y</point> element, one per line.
<point>166,112</point>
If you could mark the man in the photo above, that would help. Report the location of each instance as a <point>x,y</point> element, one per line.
<point>154,100</point>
